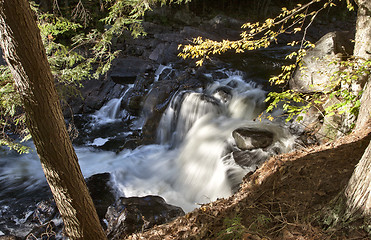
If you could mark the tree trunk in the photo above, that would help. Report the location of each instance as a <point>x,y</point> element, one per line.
<point>21,42</point>
<point>358,190</point>
<point>364,114</point>
<point>362,51</point>
<point>362,48</point>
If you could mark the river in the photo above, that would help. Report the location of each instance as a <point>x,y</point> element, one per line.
<point>191,163</point>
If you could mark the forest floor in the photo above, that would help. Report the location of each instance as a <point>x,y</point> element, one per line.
<point>281,200</point>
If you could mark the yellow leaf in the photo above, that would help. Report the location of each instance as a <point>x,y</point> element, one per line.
<point>298,29</point>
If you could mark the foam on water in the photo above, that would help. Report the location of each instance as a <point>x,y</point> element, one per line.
<point>189,166</point>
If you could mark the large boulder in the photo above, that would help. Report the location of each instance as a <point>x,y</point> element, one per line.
<point>129,215</point>
<point>252,138</point>
<point>318,68</point>
<point>126,70</point>
<point>101,192</point>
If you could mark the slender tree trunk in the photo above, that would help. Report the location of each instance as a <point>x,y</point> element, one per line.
<point>364,116</point>
<point>25,55</point>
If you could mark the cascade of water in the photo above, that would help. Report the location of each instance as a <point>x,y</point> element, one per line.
<point>200,167</point>
<point>159,70</point>
<point>185,109</point>
<point>110,112</point>
<point>231,97</point>
<point>201,126</point>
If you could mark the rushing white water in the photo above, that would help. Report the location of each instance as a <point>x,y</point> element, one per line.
<point>110,112</point>
<point>192,164</point>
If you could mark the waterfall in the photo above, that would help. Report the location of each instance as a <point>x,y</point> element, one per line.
<point>194,162</point>
<point>159,70</point>
<point>184,110</point>
<point>110,112</point>
<point>199,126</point>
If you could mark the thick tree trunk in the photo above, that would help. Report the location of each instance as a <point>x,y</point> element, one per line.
<point>358,190</point>
<point>362,51</point>
<point>362,48</point>
<point>25,55</point>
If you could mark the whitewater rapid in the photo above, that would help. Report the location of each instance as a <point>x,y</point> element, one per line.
<point>191,163</point>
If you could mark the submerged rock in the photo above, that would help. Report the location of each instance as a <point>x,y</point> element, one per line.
<point>129,215</point>
<point>251,138</point>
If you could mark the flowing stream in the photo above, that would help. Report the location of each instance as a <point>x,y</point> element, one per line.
<point>192,162</point>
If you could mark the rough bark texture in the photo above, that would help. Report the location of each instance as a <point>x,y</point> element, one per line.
<point>25,54</point>
<point>364,115</point>
<point>362,50</point>
<point>358,191</point>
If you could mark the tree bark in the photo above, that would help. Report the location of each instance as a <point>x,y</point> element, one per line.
<point>25,55</point>
<point>364,114</point>
<point>362,48</point>
<point>358,190</point>
<point>362,51</point>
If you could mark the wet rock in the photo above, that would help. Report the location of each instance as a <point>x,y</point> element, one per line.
<point>129,215</point>
<point>160,96</point>
<point>224,94</point>
<point>46,221</point>
<point>132,141</point>
<point>192,32</point>
<point>126,70</point>
<point>252,138</point>
<point>154,105</point>
<point>251,159</point>
<point>101,192</point>
<point>93,95</point>
<point>318,62</point>
<point>113,133</point>
<point>9,237</point>
<point>134,102</point>
<point>157,52</point>
<point>45,211</point>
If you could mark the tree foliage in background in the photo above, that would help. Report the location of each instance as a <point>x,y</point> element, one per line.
<point>79,42</point>
<point>263,34</point>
